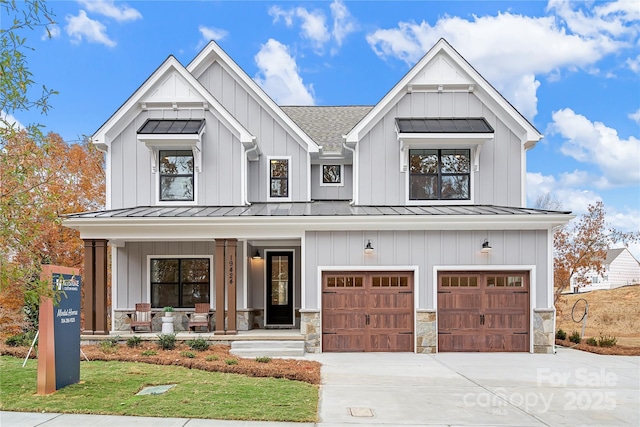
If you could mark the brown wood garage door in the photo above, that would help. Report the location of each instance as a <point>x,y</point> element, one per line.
<point>483,311</point>
<point>367,311</point>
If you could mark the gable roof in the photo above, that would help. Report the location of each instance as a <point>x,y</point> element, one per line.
<point>327,125</point>
<point>127,111</point>
<point>213,52</point>
<point>532,135</point>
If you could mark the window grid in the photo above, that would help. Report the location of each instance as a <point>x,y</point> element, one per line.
<point>439,174</point>
<point>174,284</point>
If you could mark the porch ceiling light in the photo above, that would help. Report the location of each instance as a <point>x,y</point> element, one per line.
<point>485,247</point>
<point>256,255</point>
<point>368,249</point>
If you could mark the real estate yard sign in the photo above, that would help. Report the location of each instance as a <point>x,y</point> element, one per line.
<point>59,331</point>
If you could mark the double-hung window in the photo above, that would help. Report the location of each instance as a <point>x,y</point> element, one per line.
<point>180,282</point>
<point>176,175</point>
<point>279,188</point>
<point>436,174</point>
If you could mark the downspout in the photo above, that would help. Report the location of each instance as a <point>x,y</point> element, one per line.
<point>354,171</point>
<point>246,173</point>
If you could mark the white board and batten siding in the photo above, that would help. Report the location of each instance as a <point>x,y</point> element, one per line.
<point>425,250</point>
<point>274,140</point>
<point>497,182</point>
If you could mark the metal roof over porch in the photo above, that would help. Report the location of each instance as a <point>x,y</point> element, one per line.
<point>312,209</point>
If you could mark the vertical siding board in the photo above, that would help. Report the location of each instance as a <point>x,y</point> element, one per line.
<point>514,167</point>
<point>501,158</point>
<point>311,270</point>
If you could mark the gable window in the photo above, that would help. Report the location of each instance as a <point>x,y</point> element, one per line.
<point>279,178</point>
<point>179,282</point>
<point>176,175</point>
<point>439,174</point>
<point>331,175</point>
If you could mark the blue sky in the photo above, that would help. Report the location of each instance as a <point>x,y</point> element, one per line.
<point>572,68</point>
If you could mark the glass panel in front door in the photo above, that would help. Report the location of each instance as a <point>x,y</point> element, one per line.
<point>280,280</point>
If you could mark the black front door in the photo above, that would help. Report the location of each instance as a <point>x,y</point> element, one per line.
<point>279,304</point>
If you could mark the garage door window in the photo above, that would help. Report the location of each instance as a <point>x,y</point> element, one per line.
<point>459,281</point>
<point>345,282</point>
<point>505,281</point>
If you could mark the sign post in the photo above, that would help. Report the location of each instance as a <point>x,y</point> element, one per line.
<point>59,330</point>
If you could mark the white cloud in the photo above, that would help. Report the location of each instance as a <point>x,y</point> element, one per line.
<point>635,116</point>
<point>314,27</point>
<point>277,12</point>
<point>8,120</point>
<point>520,44</point>
<point>593,142</point>
<point>634,64</point>
<point>610,18</point>
<point>576,200</point>
<point>120,13</point>
<point>211,33</point>
<point>343,22</point>
<point>279,77</point>
<point>51,32</point>
<point>82,27</point>
<point>313,24</point>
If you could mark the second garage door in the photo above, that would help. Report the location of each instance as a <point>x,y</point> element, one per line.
<point>367,311</point>
<point>483,311</point>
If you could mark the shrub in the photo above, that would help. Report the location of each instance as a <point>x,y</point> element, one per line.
<point>607,341</point>
<point>575,337</point>
<point>561,335</point>
<point>134,342</point>
<point>212,358</point>
<point>149,353</point>
<point>188,354</point>
<point>591,341</point>
<point>199,344</point>
<point>263,359</point>
<point>21,340</point>
<point>110,345</point>
<point>167,341</point>
<point>231,361</point>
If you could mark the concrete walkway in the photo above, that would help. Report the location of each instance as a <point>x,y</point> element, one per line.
<point>566,389</point>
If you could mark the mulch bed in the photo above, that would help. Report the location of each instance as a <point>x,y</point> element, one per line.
<point>616,350</point>
<point>214,360</point>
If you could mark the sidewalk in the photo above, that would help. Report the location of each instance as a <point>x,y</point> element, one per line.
<point>464,389</point>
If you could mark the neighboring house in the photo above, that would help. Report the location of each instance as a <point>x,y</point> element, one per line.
<point>396,227</point>
<point>620,268</point>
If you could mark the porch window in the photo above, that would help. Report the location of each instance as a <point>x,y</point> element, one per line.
<point>179,282</point>
<point>279,178</point>
<point>439,174</point>
<point>176,175</point>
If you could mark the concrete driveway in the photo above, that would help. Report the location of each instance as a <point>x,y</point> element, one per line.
<point>569,388</point>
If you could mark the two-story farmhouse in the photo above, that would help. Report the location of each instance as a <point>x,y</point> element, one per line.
<point>395,227</point>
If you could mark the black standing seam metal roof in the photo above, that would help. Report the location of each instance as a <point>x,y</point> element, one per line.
<point>304,209</point>
<point>173,126</point>
<point>443,125</point>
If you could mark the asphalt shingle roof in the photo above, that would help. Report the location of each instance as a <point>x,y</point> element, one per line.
<point>327,125</point>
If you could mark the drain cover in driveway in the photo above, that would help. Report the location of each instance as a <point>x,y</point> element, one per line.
<point>361,412</point>
<point>158,389</point>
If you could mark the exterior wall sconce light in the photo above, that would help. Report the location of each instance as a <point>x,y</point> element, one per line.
<point>368,249</point>
<point>485,247</point>
<point>256,255</point>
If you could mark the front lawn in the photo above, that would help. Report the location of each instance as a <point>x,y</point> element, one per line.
<point>111,387</point>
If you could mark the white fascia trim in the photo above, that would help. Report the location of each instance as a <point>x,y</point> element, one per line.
<point>392,97</point>
<point>214,52</point>
<point>148,229</point>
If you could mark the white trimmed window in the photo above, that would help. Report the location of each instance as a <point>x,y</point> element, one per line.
<point>332,176</point>
<point>179,282</point>
<point>176,176</point>
<point>279,179</point>
<point>436,174</point>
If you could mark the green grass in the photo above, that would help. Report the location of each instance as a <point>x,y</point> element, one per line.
<point>110,388</point>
